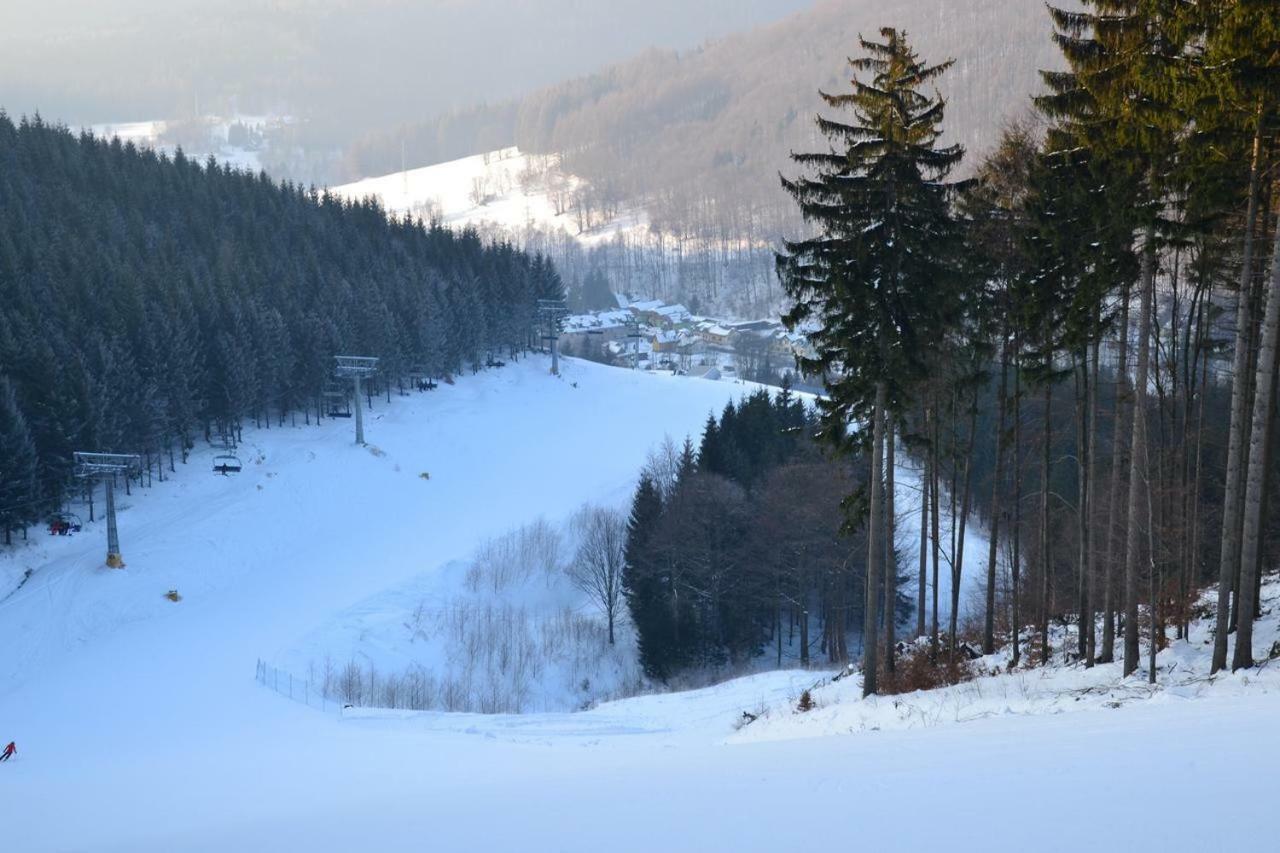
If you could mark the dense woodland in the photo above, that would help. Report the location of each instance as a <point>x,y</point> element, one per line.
<point>146,303</point>
<point>1080,343</point>
<point>735,547</point>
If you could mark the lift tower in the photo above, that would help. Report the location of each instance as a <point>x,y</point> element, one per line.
<point>635,336</point>
<point>105,467</point>
<point>354,367</point>
<point>553,312</point>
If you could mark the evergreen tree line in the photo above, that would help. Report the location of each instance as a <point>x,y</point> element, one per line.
<point>735,549</point>
<point>1079,343</point>
<point>146,301</point>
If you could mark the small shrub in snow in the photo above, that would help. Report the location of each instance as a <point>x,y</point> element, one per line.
<point>806,703</point>
<point>749,717</point>
<point>916,670</point>
<point>513,557</point>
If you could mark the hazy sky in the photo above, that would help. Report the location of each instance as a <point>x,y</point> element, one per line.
<point>344,62</point>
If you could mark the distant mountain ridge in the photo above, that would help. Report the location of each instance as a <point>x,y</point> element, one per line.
<point>692,143</point>
<point>704,133</point>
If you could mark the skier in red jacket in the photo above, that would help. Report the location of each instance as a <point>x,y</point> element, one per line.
<point>9,751</point>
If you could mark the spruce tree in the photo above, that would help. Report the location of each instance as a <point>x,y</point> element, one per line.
<point>642,584</point>
<point>874,283</point>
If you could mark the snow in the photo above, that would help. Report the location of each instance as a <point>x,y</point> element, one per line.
<point>599,320</point>
<point>674,313</point>
<point>140,726</point>
<point>142,133</point>
<point>506,189</point>
<point>206,135</point>
<point>1182,679</point>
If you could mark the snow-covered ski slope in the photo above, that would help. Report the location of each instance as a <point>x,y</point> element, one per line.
<point>140,726</point>
<point>506,189</point>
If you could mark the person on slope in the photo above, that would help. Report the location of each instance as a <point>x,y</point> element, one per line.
<point>9,751</point>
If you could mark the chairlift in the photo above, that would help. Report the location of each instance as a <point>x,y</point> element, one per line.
<point>422,382</point>
<point>65,524</point>
<point>337,402</point>
<point>226,463</point>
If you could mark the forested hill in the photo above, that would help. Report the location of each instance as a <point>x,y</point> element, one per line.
<point>145,302</point>
<point>699,137</point>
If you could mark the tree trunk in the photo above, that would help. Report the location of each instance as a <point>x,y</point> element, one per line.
<point>997,485</point>
<point>1229,557</point>
<point>1138,455</point>
<point>890,551</point>
<point>1196,479</point>
<point>1086,422</point>
<point>875,545</point>
<point>1119,467</point>
<point>924,550</point>
<point>1251,540</point>
<point>935,520</point>
<point>777,630</point>
<point>1091,498</point>
<point>804,634</point>
<point>1082,501</point>
<point>957,564</point>
<point>1015,565</point>
<point>1046,559</point>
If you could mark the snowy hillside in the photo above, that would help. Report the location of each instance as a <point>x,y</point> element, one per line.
<point>315,523</point>
<point>528,200</point>
<point>505,190</point>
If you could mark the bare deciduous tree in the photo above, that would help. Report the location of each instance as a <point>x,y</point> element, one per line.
<point>597,565</point>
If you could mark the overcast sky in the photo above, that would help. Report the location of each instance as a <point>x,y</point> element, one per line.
<point>360,62</point>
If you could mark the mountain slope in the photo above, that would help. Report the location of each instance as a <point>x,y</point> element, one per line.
<point>691,144</point>
<point>711,128</point>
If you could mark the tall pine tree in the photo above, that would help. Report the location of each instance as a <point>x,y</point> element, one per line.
<point>873,285</point>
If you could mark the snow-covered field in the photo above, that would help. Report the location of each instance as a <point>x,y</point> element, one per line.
<point>199,138</point>
<point>140,726</point>
<point>505,189</point>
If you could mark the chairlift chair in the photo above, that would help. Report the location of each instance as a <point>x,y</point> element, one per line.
<point>226,463</point>
<point>337,402</point>
<point>65,524</point>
